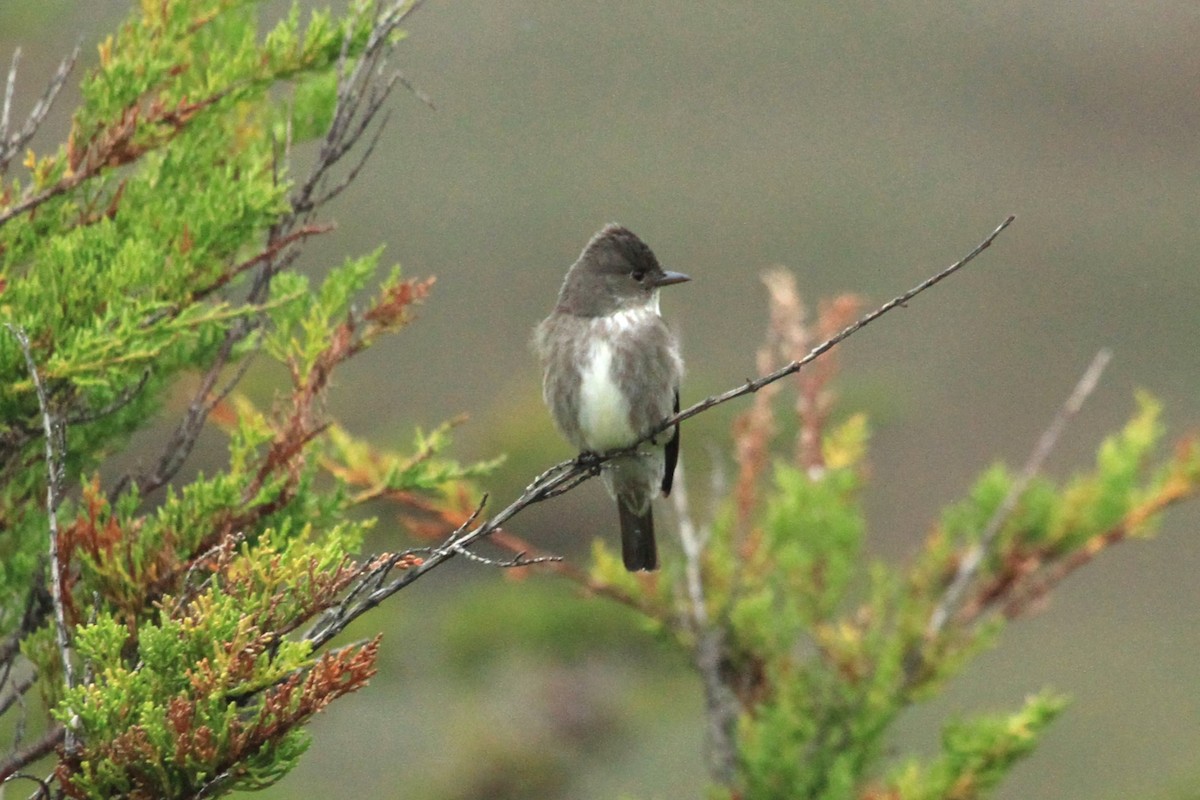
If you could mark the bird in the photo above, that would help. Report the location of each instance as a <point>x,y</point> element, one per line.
<point>611,370</point>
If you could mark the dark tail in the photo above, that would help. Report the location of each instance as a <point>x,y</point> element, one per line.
<point>637,538</point>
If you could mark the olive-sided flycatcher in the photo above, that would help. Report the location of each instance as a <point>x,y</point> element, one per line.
<point>611,375</point>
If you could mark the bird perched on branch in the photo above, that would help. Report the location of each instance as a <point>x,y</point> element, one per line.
<point>611,372</point>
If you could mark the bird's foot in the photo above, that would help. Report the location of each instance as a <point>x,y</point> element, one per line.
<point>588,460</point>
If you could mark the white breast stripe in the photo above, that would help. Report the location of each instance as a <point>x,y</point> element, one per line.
<point>603,411</point>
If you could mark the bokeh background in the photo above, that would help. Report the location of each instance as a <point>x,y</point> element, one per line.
<point>863,145</point>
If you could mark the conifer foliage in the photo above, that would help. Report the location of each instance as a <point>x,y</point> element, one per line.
<point>809,650</point>
<point>161,626</point>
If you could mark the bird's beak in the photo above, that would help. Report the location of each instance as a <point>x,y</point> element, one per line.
<point>667,278</point>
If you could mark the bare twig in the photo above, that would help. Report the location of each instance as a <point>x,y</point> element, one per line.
<point>214,785</point>
<point>720,701</point>
<point>32,752</point>
<point>568,474</point>
<point>43,791</point>
<point>360,97</point>
<point>968,567</point>
<point>750,387</point>
<point>17,691</point>
<point>124,398</point>
<point>9,87</point>
<point>416,91</point>
<point>274,248</point>
<point>518,560</point>
<point>352,175</point>
<point>55,473</point>
<point>693,541</point>
<point>12,144</point>
<point>180,445</point>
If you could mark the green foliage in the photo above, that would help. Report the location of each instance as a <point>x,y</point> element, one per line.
<point>822,647</point>
<point>213,678</point>
<point>155,242</point>
<point>977,754</point>
<point>115,276</point>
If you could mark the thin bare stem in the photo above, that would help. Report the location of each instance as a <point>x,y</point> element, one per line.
<point>124,398</point>
<point>12,144</point>
<point>720,702</point>
<point>43,792</point>
<point>54,478</point>
<point>968,567</point>
<point>31,753</point>
<point>752,386</point>
<point>692,541</point>
<point>360,97</point>
<point>18,689</point>
<point>9,87</point>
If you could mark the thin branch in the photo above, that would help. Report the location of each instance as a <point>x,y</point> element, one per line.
<point>60,188</point>
<point>43,784</point>
<point>9,87</point>
<point>352,175</point>
<point>568,474</point>
<point>32,752</point>
<point>123,399</point>
<point>10,146</point>
<point>518,560</point>
<point>463,537</point>
<point>721,704</point>
<point>752,386</point>
<point>273,248</point>
<point>968,567</point>
<point>55,472</point>
<point>184,438</point>
<point>18,689</point>
<point>416,91</point>
<point>692,541</point>
<point>360,97</point>
<point>37,608</point>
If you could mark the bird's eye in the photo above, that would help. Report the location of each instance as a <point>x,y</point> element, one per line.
<point>639,274</point>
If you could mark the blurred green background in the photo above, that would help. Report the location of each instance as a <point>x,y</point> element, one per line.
<point>863,145</point>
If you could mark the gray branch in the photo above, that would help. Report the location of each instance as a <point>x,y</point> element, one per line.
<point>720,703</point>
<point>968,567</point>
<point>12,143</point>
<point>55,472</point>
